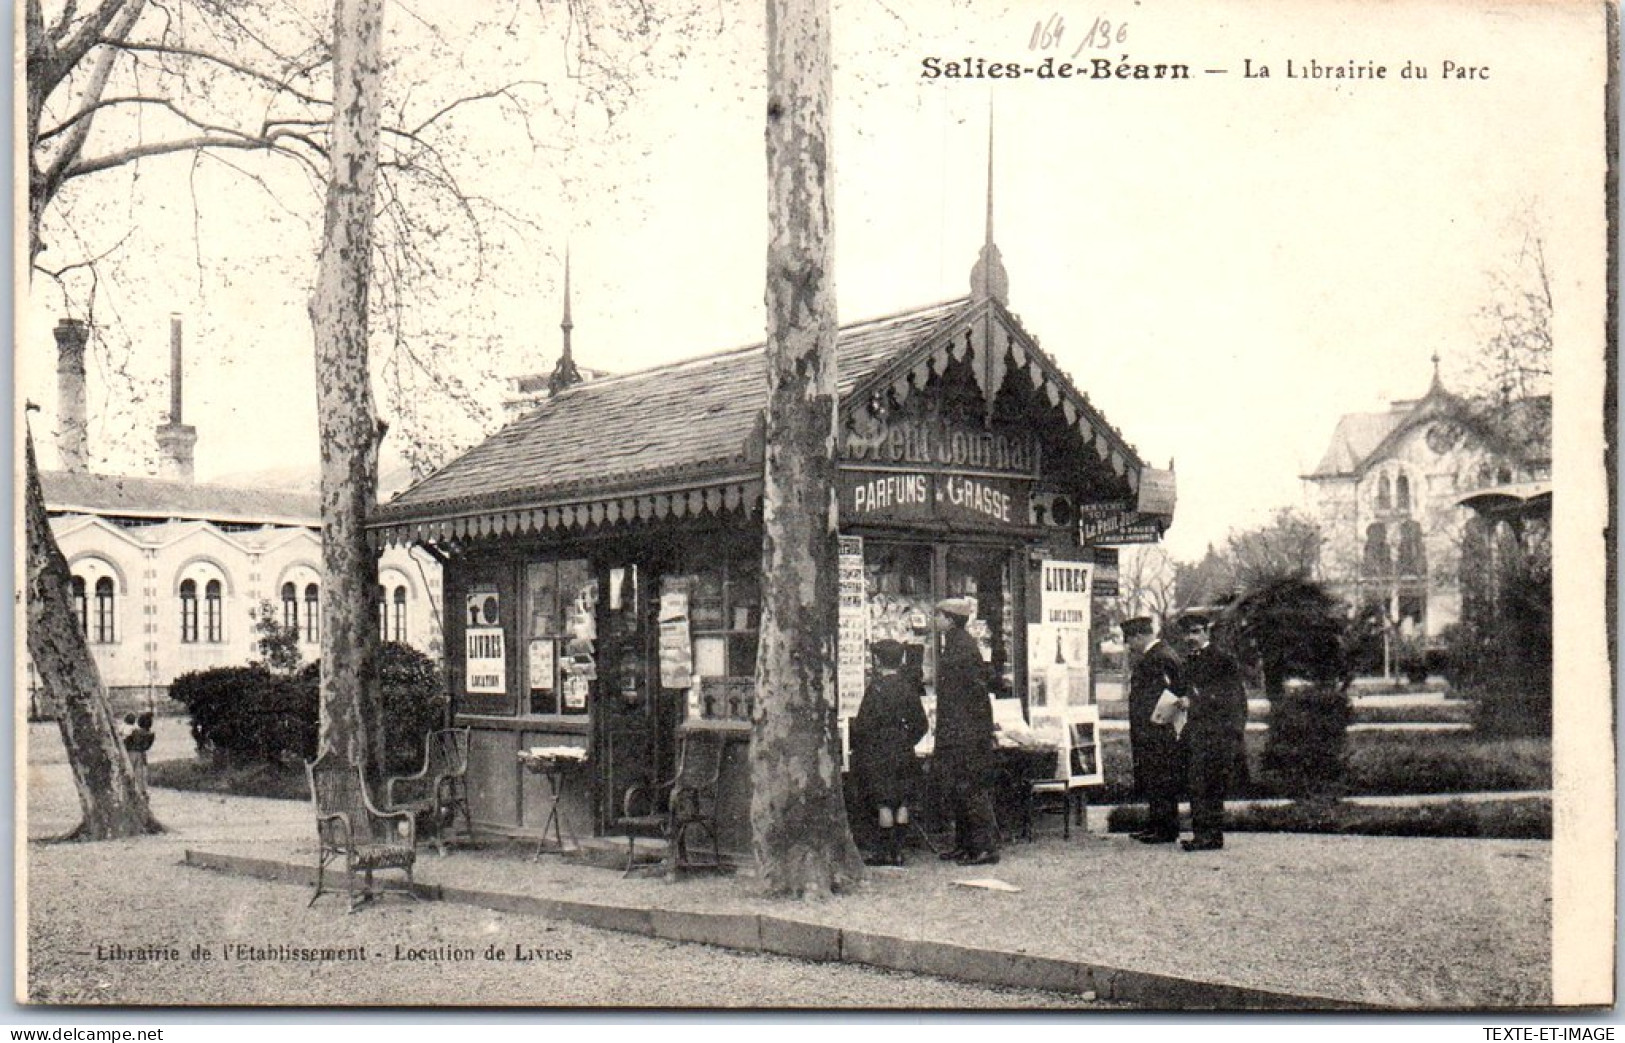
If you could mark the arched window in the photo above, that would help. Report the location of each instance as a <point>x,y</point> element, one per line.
<point>188,612</point>
<point>383,613</point>
<point>103,633</point>
<point>81,605</point>
<point>1412,555</point>
<point>1384,500</point>
<point>1376,550</point>
<point>214,621</point>
<point>1402,492</point>
<point>400,615</point>
<point>290,607</point>
<point>312,616</point>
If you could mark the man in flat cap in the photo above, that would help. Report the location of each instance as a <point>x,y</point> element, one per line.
<point>1216,730</point>
<point>964,742</point>
<point>1159,767</point>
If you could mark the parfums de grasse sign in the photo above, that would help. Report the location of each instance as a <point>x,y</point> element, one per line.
<point>911,470</point>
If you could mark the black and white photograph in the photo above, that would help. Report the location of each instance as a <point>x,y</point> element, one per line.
<point>601,505</point>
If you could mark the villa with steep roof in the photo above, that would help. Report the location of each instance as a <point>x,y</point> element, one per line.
<point>1396,491</point>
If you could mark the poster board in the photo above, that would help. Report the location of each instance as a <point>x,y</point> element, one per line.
<point>676,649</point>
<point>853,639</point>
<point>1061,695</point>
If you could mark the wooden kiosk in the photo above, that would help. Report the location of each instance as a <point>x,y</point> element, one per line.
<point>602,554</point>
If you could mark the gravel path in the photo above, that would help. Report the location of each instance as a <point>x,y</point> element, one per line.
<point>135,894</point>
<point>1415,923</point>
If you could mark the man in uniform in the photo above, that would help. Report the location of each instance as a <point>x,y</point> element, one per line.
<point>963,757</point>
<point>1215,733</point>
<point>1159,769</point>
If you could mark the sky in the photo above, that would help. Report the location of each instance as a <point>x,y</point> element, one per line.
<point>1225,263</point>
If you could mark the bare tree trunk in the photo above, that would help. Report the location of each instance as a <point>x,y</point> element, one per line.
<point>112,802</point>
<point>351,710</point>
<point>798,818</point>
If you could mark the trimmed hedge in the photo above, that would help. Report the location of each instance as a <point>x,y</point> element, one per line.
<point>1522,819</point>
<point>248,714</point>
<point>1377,763</point>
<point>244,715</point>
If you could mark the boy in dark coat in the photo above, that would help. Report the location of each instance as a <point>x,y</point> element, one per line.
<point>1159,767</point>
<point>888,724</point>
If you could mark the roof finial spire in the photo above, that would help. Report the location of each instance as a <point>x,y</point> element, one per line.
<point>988,240</point>
<point>565,373</point>
<point>988,277</point>
<point>567,325</point>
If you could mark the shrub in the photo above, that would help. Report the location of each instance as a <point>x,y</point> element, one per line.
<point>415,702</point>
<point>1306,746</point>
<point>248,714</point>
<point>1513,706</point>
<point>251,714</point>
<point>1422,762</point>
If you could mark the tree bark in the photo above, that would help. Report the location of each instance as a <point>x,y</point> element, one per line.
<point>798,817</point>
<point>111,801</point>
<point>351,703</point>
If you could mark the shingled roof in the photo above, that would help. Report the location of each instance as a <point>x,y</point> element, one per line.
<point>161,499</point>
<point>681,421</point>
<point>1356,436</point>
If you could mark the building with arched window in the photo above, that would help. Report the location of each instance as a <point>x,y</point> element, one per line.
<point>1388,496</point>
<point>168,574</point>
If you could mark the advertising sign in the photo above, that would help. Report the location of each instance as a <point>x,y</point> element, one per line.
<point>1103,584</point>
<point>970,501</point>
<point>485,662</point>
<point>933,442</point>
<point>676,652</point>
<point>1122,528</point>
<point>885,496</point>
<point>1058,658</point>
<point>852,645</point>
<point>982,502</point>
<point>1156,494</point>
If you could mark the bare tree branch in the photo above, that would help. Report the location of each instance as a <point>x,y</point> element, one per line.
<point>270,142</point>
<point>282,84</point>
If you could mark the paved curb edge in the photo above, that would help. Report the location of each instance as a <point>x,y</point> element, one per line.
<point>755,932</point>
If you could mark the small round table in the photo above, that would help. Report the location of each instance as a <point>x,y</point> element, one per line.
<point>553,769</point>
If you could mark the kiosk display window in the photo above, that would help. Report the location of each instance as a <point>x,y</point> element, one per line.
<point>724,607</point>
<point>560,627</point>
<point>902,600</point>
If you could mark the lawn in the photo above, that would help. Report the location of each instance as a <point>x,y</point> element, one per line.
<point>286,782</point>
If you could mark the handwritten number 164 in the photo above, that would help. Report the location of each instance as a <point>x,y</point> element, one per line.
<point>1048,33</point>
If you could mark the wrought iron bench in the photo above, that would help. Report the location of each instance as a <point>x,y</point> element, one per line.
<point>349,827</point>
<point>439,789</point>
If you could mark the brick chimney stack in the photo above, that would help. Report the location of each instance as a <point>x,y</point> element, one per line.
<point>72,438</point>
<point>175,439</point>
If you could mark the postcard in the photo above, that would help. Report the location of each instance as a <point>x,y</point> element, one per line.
<point>1258,347</point>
